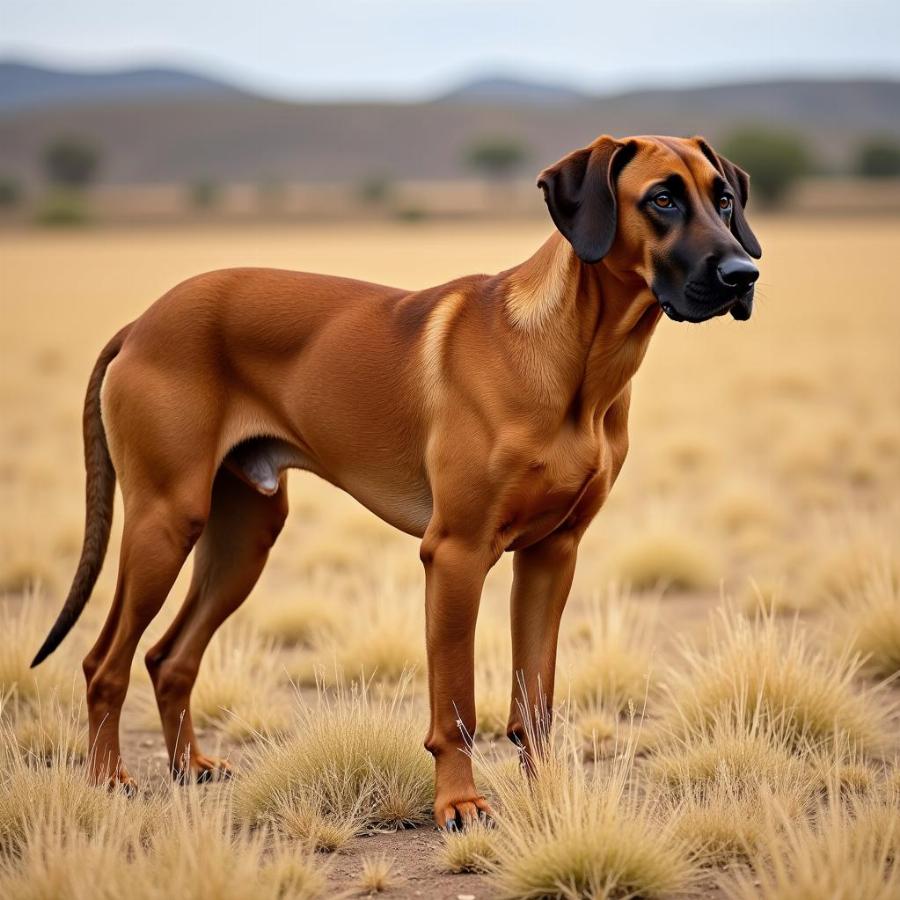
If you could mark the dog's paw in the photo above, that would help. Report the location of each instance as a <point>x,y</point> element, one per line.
<point>457,814</point>
<point>118,782</point>
<point>204,770</point>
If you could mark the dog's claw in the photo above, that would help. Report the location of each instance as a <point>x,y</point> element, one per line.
<point>485,819</point>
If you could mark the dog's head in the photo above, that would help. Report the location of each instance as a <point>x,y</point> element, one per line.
<point>669,210</point>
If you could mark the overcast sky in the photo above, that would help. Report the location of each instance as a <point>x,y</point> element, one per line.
<point>412,48</point>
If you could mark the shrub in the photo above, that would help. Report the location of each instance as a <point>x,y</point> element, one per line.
<point>374,189</point>
<point>775,160</point>
<point>62,208</point>
<point>11,192</point>
<point>71,162</point>
<point>496,157</point>
<point>204,193</point>
<point>878,157</point>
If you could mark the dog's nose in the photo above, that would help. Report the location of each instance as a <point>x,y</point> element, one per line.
<point>735,272</point>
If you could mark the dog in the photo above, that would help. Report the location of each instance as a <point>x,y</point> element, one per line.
<point>485,415</point>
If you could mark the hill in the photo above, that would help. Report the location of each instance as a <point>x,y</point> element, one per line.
<point>193,129</point>
<point>25,86</point>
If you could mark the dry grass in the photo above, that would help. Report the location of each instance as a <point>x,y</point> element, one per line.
<point>760,668</point>
<point>869,619</point>
<point>840,852</point>
<point>296,617</point>
<point>379,873</point>
<point>240,688</point>
<point>612,652</point>
<point>193,851</point>
<point>852,552</point>
<point>717,782</point>
<point>570,832</point>
<point>380,638</point>
<point>749,444</point>
<point>34,790</point>
<point>666,557</point>
<point>353,757</point>
<point>471,850</point>
<point>24,626</point>
<point>493,680</point>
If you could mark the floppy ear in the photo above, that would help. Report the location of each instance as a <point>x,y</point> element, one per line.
<point>580,192</point>
<point>739,182</point>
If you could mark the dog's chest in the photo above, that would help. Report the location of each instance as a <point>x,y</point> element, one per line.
<point>554,483</point>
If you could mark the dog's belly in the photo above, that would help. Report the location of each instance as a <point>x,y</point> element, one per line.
<point>406,505</point>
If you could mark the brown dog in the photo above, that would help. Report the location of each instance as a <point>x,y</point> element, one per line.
<point>484,415</point>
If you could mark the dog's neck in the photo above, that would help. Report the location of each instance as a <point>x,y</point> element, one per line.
<point>581,330</point>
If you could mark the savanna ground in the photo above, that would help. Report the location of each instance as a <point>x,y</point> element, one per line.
<point>727,723</point>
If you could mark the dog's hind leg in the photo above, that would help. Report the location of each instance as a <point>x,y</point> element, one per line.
<point>158,533</point>
<point>230,556</point>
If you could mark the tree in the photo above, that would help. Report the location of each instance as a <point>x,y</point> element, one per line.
<point>204,193</point>
<point>775,160</point>
<point>496,157</point>
<point>374,189</point>
<point>878,157</point>
<point>11,192</point>
<point>71,162</point>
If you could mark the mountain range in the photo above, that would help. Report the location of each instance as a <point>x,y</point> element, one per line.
<point>159,125</point>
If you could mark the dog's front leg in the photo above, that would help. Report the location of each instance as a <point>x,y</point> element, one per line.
<point>454,577</point>
<point>542,579</point>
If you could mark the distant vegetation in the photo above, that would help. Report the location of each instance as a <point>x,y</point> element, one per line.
<point>204,193</point>
<point>496,157</point>
<point>11,192</point>
<point>374,189</point>
<point>62,206</point>
<point>70,166</point>
<point>71,162</point>
<point>878,157</point>
<point>775,159</point>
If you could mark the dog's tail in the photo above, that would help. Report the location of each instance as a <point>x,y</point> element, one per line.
<point>99,496</point>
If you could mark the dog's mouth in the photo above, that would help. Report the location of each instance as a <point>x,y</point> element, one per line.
<point>740,307</point>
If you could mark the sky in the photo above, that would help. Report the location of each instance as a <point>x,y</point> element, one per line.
<point>409,49</point>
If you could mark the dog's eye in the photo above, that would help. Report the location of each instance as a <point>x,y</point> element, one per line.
<point>664,200</point>
<point>725,202</point>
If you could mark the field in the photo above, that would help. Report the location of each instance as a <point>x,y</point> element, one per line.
<point>729,710</point>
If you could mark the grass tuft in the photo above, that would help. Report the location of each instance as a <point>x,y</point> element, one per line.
<point>664,556</point>
<point>715,782</point>
<point>569,832</point>
<point>471,850</point>
<point>378,874</point>
<point>840,853</point>
<point>36,788</point>
<point>870,615</point>
<point>357,757</point>
<point>190,851</point>
<point>755,668</point>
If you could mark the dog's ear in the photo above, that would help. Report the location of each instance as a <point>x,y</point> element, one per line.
<point>739,182</point>
<point>580,192</point>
